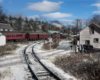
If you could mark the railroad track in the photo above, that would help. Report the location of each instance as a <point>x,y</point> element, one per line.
<point>38,70</point>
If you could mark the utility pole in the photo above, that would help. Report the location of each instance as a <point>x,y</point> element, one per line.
<point>77,20</point>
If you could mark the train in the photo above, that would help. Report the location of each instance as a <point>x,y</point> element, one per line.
<point>18,36</point>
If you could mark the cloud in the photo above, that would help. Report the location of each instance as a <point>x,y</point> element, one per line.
<point>65,20</point>
<point>1,1</point>
<point>57,15</point>
<point>44,6</point>
<point>96,12</point>
<point>97,5</point>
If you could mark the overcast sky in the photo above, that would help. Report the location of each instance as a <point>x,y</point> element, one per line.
<point>62,10</point>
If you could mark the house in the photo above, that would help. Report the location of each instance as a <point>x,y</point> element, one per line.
<point>2,39</point>
<point>5,27</point>
<point>90,35</point>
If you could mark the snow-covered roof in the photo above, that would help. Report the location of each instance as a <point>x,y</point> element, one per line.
<point>51,32</point>
<point>1,34</point>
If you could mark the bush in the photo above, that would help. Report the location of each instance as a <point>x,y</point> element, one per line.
<point>54,45</point>
<point>4,50</point>
<point>46,46</point>
<point>84,66</point>
<point>10,46</point>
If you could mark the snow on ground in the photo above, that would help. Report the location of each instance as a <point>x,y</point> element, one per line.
<point>47,57</point>
<point>59,71</point>
<point>15,72</point>
<point>12,67</point>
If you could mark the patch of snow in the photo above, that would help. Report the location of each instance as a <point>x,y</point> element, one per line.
<point>13,73</point>
<point>48,56</point>
<point>11,61</point>
<point>60,72</point>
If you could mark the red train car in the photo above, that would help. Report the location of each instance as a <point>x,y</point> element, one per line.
<point>43,36</point>
<point>32,36</point>
<point>15,36</point>
<point>25,36</point>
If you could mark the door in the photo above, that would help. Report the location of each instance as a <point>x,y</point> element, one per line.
<point>87,42</point>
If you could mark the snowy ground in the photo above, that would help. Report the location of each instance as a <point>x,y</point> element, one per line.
<point>47,57</point>
<point>13,67</point>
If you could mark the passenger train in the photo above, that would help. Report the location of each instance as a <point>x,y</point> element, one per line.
<point>18,36</point>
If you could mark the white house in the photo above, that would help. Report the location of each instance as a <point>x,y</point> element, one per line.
<point>90,35</point>
<point>2,39</point>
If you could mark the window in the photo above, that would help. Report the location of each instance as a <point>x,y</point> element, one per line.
<point>1,29</point>
<point>91,30</point>
<point>96,40</point>
<point>6,29</point>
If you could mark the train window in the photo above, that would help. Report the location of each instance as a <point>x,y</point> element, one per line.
<point>12,35</point>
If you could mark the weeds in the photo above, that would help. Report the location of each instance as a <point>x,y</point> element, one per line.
<point>84,66</point>
<point>4,50</point>
<point>46,46</point>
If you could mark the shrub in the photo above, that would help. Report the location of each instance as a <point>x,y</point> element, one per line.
<point>4,50</point>
<point>54,45</point>
<point>46,46</point>
<point>84,66</point>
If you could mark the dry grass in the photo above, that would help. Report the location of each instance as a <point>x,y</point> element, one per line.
<point>54,45</point>
<point>5,50</point>
<point>46,46</point>
<point>84,66</point>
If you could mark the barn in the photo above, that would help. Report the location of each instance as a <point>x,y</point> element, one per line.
<point>2,39</point>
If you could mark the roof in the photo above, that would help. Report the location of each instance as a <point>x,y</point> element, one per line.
<point>51,32</point>
<point>1,34</point>
<point>90,25</point>
<point>23,32</point>
<point>5,26</point>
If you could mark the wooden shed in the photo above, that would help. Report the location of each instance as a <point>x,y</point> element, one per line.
<point>2,39</point>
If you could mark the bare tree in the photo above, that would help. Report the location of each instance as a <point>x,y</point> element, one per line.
<point>3,15</point>
<point>20,20</point>
<point>95,19</point>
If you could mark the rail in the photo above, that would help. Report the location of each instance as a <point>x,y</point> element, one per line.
<point>26,59</point>
<point>45,66</point>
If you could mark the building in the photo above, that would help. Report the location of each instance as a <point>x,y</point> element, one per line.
<point>2,39</point>
<point>5,27</point>
<point>90,35</point>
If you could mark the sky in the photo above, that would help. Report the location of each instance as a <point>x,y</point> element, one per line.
<point>61,10</point>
